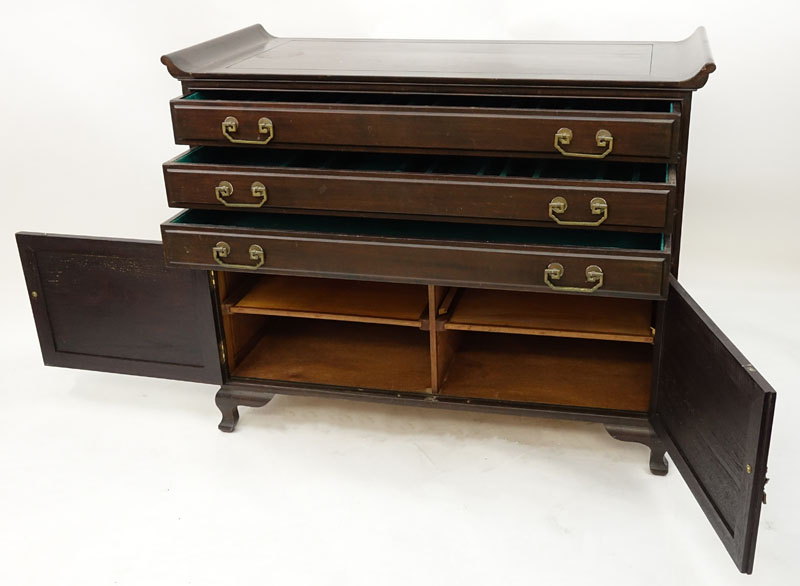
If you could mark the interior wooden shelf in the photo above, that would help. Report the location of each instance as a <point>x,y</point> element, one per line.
<point>542,314</point>
<point>343,333</point>
<point>335,353</point>
<point>333,299</point>
<point>582,373</point>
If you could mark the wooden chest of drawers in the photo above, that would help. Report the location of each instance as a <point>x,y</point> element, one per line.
<point>468,225</point>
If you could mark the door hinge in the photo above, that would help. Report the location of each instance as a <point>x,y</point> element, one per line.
<point>212,277</point>
<point>222,354</point>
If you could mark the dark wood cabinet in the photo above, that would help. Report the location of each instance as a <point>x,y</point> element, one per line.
<point>465,225</point>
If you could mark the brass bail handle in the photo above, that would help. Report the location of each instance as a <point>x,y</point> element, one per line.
<point>555,270</point>
<point>231,124</point>
<point>603,139</point>
<point>225,190</point>
<point>223,249</point>
<point>598,207</point>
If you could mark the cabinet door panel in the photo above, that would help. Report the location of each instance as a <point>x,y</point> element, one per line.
<point>714,412</point>
<point>114,306</point>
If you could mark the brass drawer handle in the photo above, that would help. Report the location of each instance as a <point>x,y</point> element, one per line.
<point>223,249</point>
<point>555,271</point>
<point>603,139</point>
<point>225,189</point>
<point>231,124</point>
<point>598,205</point>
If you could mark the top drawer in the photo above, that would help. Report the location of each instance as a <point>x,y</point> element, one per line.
<point>616,129</point>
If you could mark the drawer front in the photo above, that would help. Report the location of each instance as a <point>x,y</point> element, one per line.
<point>554,203</point>
<point>647,136</point>
<point>624,273</point>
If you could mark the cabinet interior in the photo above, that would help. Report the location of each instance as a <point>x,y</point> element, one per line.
<point>613,104</point>
<point>575,350</point>
<point>476,167</point>
<point>420,229</point>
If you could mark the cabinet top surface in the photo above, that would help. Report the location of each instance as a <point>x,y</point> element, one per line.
<point>252,54</point>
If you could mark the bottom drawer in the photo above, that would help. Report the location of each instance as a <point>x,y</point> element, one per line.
<point>505,257</point>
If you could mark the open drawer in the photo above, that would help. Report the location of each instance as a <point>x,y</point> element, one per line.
<point>643,130</point>
<point>606,195</point>
<point>622,264</point>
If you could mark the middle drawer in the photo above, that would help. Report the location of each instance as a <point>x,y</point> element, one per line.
<point>606,195</point>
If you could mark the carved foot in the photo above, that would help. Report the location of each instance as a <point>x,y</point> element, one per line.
<point>646,436</point>
<point>228,402</point>
<point>229,409</point>
<point>658,463</point>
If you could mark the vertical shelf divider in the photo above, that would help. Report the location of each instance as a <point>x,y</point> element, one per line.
<point>443,343</point>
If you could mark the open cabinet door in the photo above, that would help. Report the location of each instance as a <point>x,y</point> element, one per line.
<point>714,413</point>
<point>114,306</point>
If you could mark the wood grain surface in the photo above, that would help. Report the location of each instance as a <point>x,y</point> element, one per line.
<point>253,54</point>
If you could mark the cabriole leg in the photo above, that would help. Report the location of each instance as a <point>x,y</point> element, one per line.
<point>229,409</point>
<point>228,401</point>
<point>646,436</point>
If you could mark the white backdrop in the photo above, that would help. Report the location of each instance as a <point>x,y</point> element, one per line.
<point>112,479</point>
